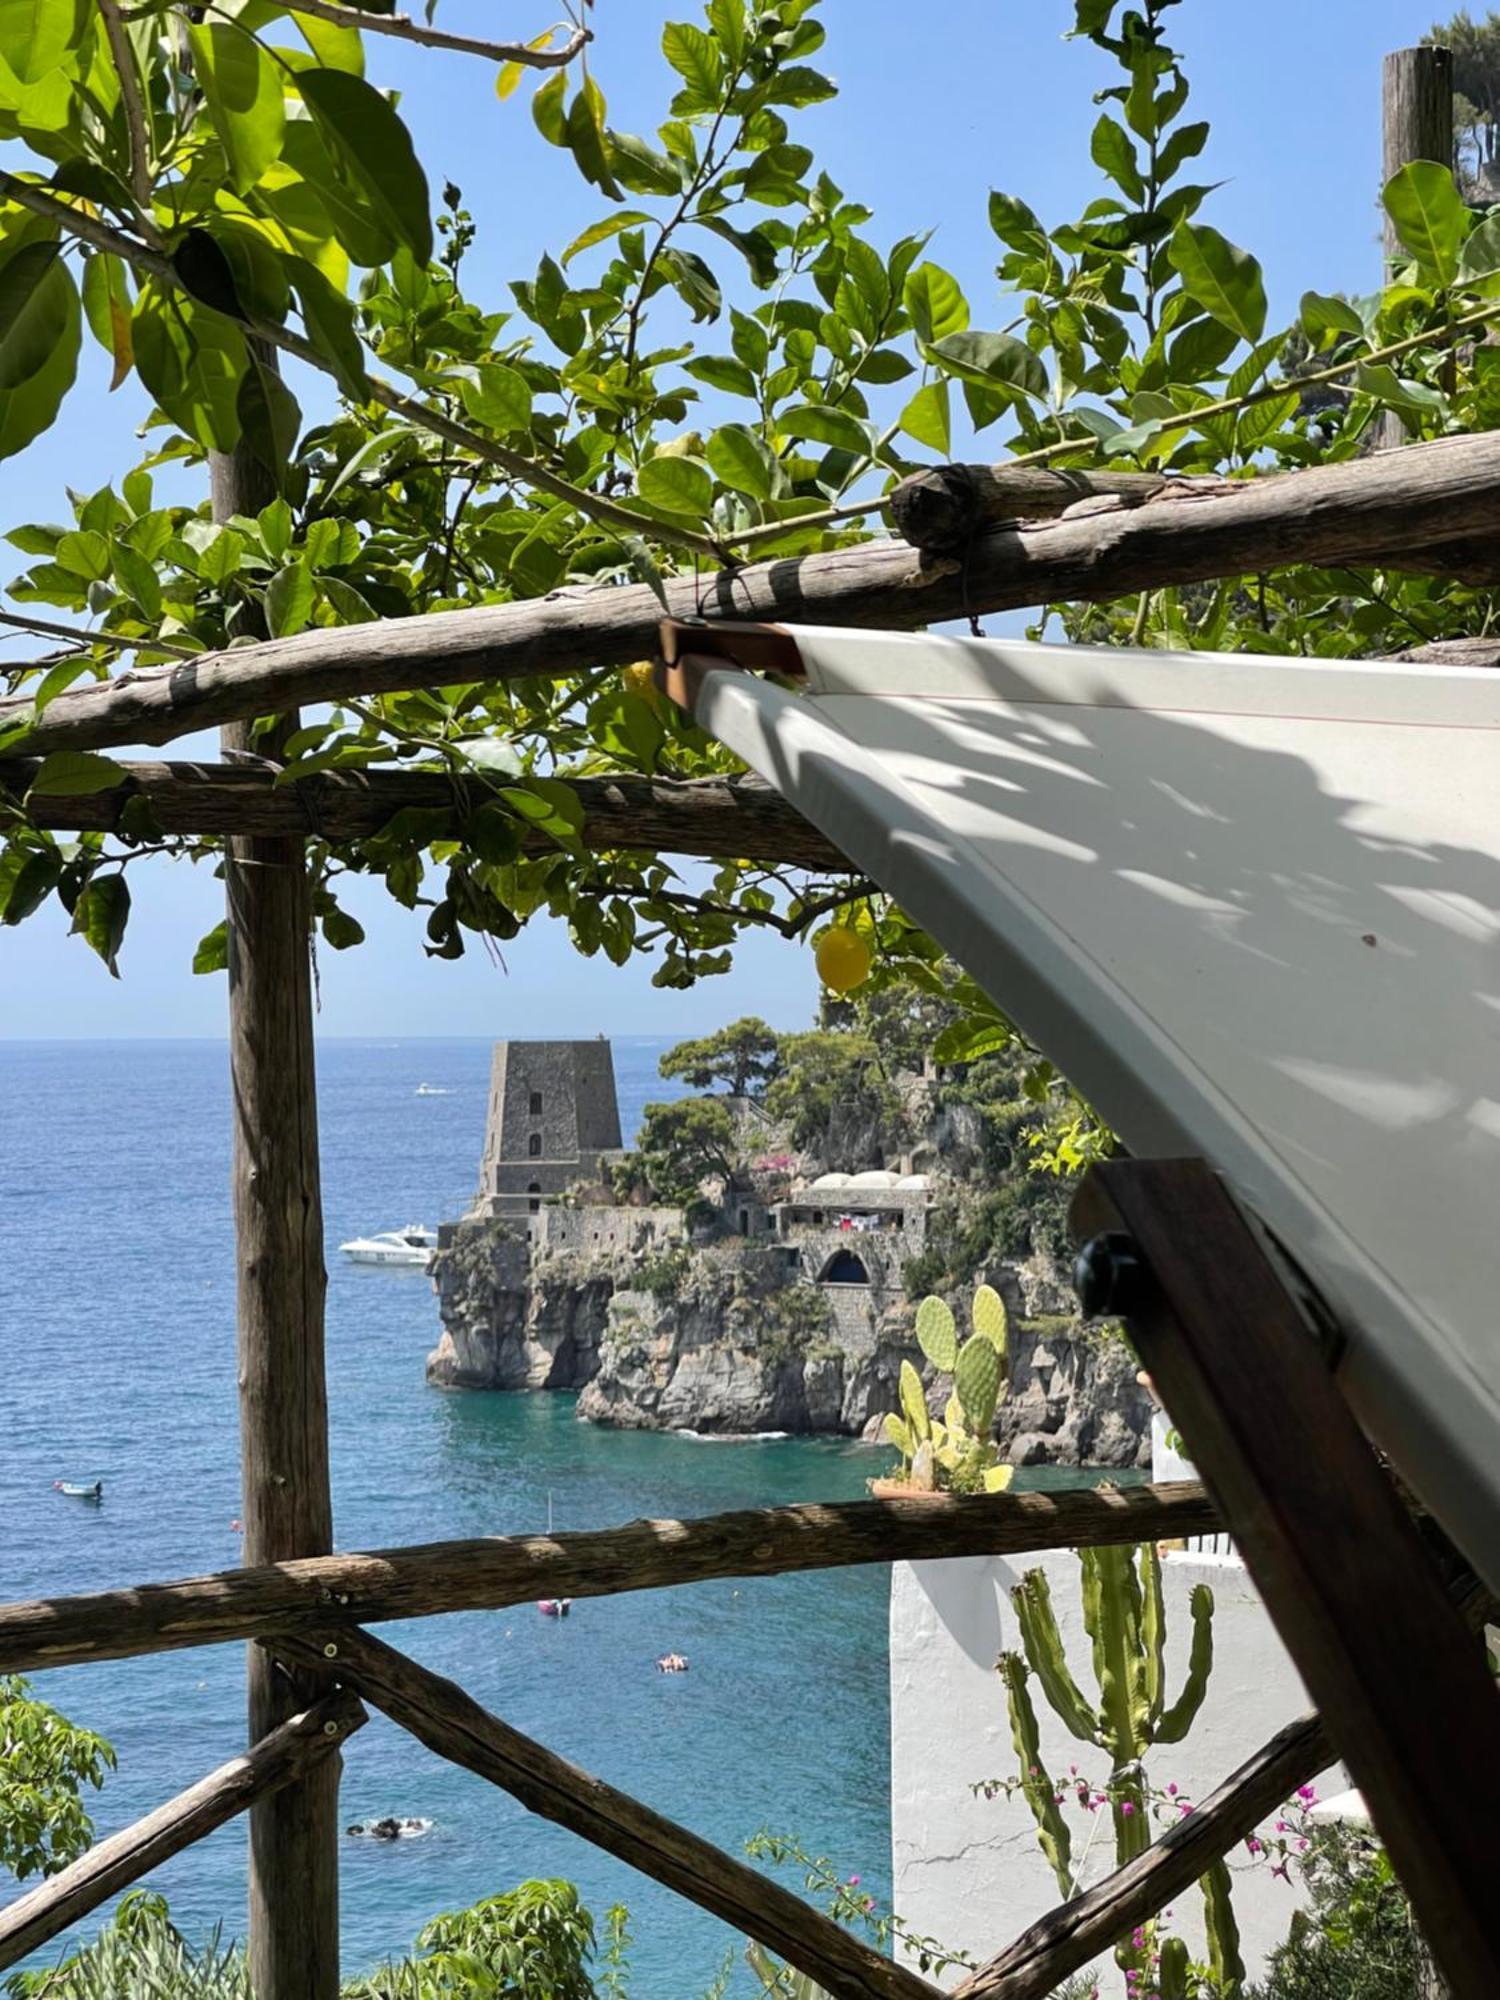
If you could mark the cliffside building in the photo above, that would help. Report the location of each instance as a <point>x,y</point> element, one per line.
<point>553,1116</point>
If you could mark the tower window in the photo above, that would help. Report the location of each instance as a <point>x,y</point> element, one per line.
<point>534,1146</point>
<point>535,1191</point>
<point>536,1104</point>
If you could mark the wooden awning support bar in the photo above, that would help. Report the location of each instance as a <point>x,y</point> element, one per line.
<point>1338,1560</point>
<point>288,1753</point>
<point>642,1555</point>
<point>1433,507</point>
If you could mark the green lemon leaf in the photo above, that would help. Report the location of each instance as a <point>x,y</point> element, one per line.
<point>371,146</point>
<point>212,954</point>
<point>1014,223</point>
<point>242,87</point>
<point>37,36</point>
<point>992,360</point>
<point>29,408</point>
<point>1112,150</point>
<point>1481,251</point>
<point>289,599</point>
<point>603,230</point>
<point>695,57</point>
<point>269,416</point>
<point>677,486</point>
<point>329,318</point>
<point>935,302</point>
<point>826,425</point>
<point>34,289</point>
<point>192,361</point>
<point>926,418</point>
<point>1430,216</point>
<point>640,167</point>
<point>584,133</point>
<point>106,306</point>
<point>722,371</point>
<point>1224,279</point>
<point>500,399</point>
<point>743,461</point>
<point>26,888</point>
<point>1412,399</point>
<point>101,914</point>
<point>73,774</point>
<point>325,198</point>
<point>1321,315</point>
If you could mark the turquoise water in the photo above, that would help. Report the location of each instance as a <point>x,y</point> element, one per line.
<point>117,1318</point>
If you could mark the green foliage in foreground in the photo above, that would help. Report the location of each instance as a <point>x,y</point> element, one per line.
<point>536,1942</point>
<point>1357,1941</point>
<point>45,1764</point>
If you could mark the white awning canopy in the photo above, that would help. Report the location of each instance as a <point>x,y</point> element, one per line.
<point>1251,907</point>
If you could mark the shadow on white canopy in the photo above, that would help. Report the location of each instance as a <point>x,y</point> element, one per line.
<point>1251,907</point>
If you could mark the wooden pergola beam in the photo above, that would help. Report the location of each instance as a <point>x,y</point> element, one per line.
<point>287,1754</point>
<point>643,1555</point>
<point>438,1713</point>
<point>1401,506</point>
<point>715,818</point>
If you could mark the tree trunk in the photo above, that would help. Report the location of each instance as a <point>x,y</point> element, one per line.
<point>278,1217</point>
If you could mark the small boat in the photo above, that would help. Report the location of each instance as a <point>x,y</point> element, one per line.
<point>554,1607</point>
<point>672,1663</point>
<point>412,1246</point>
<point>432,1090</point>
<point>75,1491</point>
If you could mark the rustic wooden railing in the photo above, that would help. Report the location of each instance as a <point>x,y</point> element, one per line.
<point>308,1613</point>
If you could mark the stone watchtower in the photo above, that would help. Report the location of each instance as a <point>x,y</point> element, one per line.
<point>553,1114</point>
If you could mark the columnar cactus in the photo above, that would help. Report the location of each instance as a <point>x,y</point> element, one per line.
<point>1124,1618</point>
<point>957,1454</point>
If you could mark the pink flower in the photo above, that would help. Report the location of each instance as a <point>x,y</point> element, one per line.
<point>1252,1845</point>
<point>1127,1810</point>
<point>1280,1868</point>
<point>853,1881</point>
<point>1171,1791</point>
<point>1308,1794</point>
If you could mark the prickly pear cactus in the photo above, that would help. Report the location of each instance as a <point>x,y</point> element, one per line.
<point>990,1319</point>
<point>914,1402</point>
<point>937,1335</point>
<point>976,1380</point>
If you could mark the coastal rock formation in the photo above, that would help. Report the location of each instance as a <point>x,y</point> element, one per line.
<point>781,1295</point>
<point>719,1339</point>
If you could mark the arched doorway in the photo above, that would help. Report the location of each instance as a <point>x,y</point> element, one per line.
<point>844,1268</point>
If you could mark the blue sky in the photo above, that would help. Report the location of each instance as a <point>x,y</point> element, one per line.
<point>937,104</point>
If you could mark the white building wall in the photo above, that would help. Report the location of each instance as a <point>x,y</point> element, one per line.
<point>968,1871</point>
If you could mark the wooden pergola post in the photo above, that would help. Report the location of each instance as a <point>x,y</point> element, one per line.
<point>278,1221</point>
<point>1416,123</point>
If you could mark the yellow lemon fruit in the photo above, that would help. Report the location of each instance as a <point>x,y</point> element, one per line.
<point>843,960</point>
<point>639,680</point>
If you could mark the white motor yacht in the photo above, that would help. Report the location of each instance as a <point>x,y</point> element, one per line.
<point>412,1246</point>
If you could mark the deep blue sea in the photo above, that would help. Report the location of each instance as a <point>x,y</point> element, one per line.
<point>117,1324</point>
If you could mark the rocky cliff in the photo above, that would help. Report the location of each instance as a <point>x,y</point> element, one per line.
<point>716,1339</point>
<point>772,1301</point>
